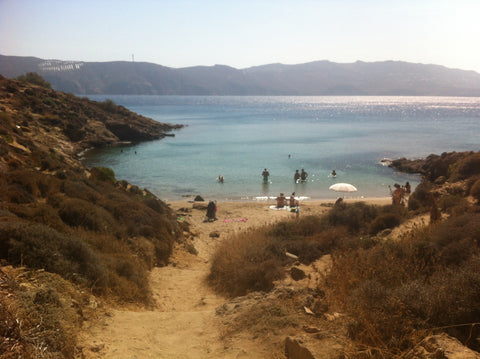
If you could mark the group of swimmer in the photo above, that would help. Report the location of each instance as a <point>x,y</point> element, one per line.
<point>300,176</point>
<point>297,177</point>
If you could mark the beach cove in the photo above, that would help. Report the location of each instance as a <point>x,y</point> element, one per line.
<point>238,137</point>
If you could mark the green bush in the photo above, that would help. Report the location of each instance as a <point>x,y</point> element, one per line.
<point>103,174</point>
<point>35,79</point>
<point>109,106</point>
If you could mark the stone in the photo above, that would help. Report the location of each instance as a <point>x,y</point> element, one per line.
<point>297,274</point>
<point>294,350</point>
<point>214,234</point>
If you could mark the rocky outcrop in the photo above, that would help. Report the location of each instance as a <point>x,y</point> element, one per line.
<point>83,122</point>
<point>450,166</point>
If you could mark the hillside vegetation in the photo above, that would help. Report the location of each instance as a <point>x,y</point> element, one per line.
<point>67,232</point>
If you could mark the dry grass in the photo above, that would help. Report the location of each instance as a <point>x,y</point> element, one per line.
<point>243,264</point>
<point>430,279</point>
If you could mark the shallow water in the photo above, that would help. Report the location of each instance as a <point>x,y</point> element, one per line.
<point>240,136</point>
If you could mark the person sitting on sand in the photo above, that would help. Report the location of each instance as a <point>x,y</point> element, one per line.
<point>265,175</point>
<point>296,176</point>
<point>211,211</point>
<point>292,200</point>
<point>281,201</point>
<point>303,175</point>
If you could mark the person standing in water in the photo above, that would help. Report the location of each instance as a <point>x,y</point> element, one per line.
<point>265,175</point>
<point>296,176</point>
<point>303,175</point>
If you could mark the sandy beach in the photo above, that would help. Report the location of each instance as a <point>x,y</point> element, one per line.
<point>248,214</point>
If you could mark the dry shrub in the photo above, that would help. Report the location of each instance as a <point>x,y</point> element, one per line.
<point>355,216</point>
<point>467,167</point>
<point>244,264</point>
<point>103,263</point>
<point>264,317</point>
<point>41,247</point>
<point>81,190</point>
<point>309,249</point>
<point>421,197</point>
<point>453,204</point>
<point>17,194</point>
<point>475,191</point>
<point>80,213</point>
<point>426,280</point>
<point>384,221</point>
<point>49,319</point>
<point>12,341</point>
<point>457,238</point>
<point>303,227</point>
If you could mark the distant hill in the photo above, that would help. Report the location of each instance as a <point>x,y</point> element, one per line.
<point>314,78</point>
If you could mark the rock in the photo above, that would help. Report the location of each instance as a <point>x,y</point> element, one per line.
<point>201,206</point>
<point>311,330</point>
<point>190,248</point>
<point>443,346</point>
<point>214,234</point>
<point>440,180</point>
<point>308,311</point>
<point>294,350</point>
<point>290,255</point>
<point>320,307</point>
<point>297,274</point>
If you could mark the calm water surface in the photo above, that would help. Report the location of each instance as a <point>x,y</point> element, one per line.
<point>240,136</point>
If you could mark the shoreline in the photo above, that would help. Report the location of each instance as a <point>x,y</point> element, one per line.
<point>271,200</point>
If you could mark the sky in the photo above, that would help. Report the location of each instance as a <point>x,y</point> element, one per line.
<point>244,33</point>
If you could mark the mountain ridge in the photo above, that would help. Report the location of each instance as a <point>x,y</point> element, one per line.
<point>316,78</point>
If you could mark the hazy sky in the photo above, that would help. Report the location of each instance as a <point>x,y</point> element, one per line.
<point>244,33</point>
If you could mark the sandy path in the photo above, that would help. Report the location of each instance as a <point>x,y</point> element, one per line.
<point>183,325</point>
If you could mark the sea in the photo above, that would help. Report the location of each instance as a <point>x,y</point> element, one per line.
<point>239,136</point>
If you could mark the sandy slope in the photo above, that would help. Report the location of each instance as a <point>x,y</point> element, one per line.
<point>184,325</point>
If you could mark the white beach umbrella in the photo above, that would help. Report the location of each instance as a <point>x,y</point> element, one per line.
<point>343,187</point>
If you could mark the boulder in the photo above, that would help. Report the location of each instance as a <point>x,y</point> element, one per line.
<point>294,350</point>
<point>297,274</point>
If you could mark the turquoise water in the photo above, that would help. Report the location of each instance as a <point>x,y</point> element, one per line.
<point>240,136</point>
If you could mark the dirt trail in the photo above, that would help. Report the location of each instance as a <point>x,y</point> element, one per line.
<point>184,324</point>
